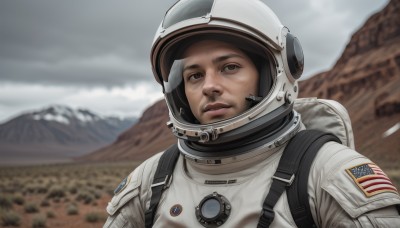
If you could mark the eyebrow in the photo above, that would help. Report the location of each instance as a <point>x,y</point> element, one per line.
<point>214,61</point>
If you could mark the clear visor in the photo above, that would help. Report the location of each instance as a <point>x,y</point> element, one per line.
<point>185,69</point>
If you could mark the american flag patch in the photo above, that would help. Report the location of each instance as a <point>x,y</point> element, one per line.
<point>371,179</point>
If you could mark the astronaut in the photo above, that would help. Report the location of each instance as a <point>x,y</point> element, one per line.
<point>229,72</point>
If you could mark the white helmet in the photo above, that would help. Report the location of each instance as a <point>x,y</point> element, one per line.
<point>251,26</point>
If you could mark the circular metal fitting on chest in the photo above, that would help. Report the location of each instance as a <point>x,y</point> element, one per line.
<point>213,210</point>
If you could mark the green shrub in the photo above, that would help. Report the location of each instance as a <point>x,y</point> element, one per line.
<point>72,209</point>
<point>31,208</point>
<point>35,188</point>
<point>16,184</point>
<point>42,189</point>
<point>39,221</point>
<point>10,218</point>
<point>96,194</point>
<point>18,199</point>
<point>50,214</point>
<point>56,199</point>
<point>30,188</point>
<point>45,203</point>
<point>93,217</point>
<point>85,196</point>
<point>5,202</point>
<point>73,189</point>
<point>99,186</point>
<point>56,192</point>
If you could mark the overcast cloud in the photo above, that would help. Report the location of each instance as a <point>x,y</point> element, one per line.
<point>95,53</point>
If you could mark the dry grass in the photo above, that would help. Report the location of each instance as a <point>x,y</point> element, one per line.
<point>44,196</point>
<point>71,195</point>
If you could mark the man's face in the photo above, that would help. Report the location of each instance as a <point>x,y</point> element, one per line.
<point>218,77</point>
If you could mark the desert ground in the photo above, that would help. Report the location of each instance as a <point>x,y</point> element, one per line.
<point>58,195</point>
<point>68,195</point>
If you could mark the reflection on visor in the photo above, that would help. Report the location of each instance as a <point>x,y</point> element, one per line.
<point>175,76</point>
<point>187,9</point>
<point>175,94</point>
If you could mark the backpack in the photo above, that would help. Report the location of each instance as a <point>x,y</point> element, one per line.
<point>325,120</point>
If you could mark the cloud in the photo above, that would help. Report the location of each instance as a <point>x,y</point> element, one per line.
<point>120,101</point>
<point>95,53</point>
<point>101,70</point>
<point>117,101</point>
<point>77,42</point>
<point>103,43</point>
<point>323,27</point>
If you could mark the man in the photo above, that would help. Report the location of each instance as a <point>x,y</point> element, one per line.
<point>229,73</point>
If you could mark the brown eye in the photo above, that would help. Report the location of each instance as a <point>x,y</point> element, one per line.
<point>230,68</point>
<point>195,76</point>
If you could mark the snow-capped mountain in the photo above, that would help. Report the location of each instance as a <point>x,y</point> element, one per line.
<point>63,114</point>
<point>58,130</point>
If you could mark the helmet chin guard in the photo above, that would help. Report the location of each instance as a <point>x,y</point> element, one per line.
<point>248,146</point>
<point>252,27</point>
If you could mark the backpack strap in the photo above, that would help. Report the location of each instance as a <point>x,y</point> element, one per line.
<point>161,181</point>
<point>298,193</point>
<point>302,148</point>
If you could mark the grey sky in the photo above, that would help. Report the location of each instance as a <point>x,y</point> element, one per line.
<point>95,53</point>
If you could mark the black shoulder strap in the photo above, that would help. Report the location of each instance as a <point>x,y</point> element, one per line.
<point>298,191</point>
<point>161,179</point>
<point>302,148</point>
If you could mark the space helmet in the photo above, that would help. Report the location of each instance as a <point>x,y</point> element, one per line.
<point>254,28</point>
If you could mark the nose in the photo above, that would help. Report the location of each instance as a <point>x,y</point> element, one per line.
<point>212,84</point>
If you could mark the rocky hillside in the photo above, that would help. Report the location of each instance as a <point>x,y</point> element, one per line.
<point>150,135</point>
<point>366,79</point>
<point>58,132</point>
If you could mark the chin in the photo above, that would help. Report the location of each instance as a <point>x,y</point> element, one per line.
<point>217,119</point>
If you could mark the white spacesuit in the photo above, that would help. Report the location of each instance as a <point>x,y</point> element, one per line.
<point>225,167</point>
